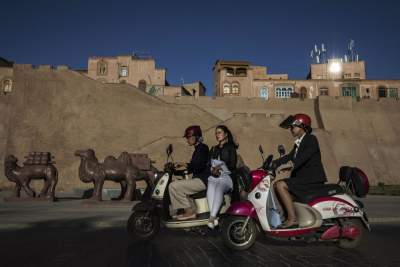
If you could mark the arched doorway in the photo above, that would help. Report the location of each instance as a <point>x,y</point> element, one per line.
<point>142,85</point>
<point>303,93</point>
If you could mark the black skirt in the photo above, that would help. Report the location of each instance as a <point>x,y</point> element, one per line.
<point>299,190</point>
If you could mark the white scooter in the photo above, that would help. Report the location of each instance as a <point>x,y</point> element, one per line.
<point>148,215</point>
<point>328,214</point>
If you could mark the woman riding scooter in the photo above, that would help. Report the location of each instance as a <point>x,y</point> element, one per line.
<point>198,166</point>
<point>307,173</point>
<point>223,161</point>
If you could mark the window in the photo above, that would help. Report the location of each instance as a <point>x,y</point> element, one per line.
<point>102,68</point>
<point>349,91</point>
<point>393,93</point>
<point>226,88</point>
<point>235,88</point>
<point>229,71</point>
<point>347,75</point>
<point>382,92</point>
<point>123,72</point>
<point>356,75</point>
<point>7,86</point>
<point>241,72</point>
<point>283,92</point>
<point>264,92</point>
<point>323,91</point>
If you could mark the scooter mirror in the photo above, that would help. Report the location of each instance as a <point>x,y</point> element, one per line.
<point>169,149</point>
<point>267,162</point>
<point>260,149</point>
<point>281,150</point>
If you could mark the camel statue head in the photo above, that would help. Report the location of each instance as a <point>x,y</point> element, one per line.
<point>10,160</point>
<point>10,164</point>
<point>87,154</point>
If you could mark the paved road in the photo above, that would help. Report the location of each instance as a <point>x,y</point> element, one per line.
<point>70,233</point>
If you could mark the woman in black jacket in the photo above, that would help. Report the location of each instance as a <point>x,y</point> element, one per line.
<point>222,177</point>
<point>307,173</point>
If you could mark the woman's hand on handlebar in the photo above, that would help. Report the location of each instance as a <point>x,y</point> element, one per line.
<point>286,169</point>
<point>216,171</point>
<point>180,165</point>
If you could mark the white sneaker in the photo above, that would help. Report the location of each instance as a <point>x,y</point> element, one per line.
<point>216,222</point>
<point>210,225</point>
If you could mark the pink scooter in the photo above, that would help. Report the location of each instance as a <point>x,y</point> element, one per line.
<point>327,214</point>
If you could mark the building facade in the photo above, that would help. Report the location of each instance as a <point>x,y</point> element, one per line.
<point>140,72</point>
<point>334,78</point>
<point>133,70</point>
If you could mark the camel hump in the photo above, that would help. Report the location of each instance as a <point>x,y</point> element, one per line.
<point>125,159</point>
<point>109,159</point>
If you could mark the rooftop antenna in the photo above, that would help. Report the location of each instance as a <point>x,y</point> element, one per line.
<point>318,55</point>
<point>352,54</point>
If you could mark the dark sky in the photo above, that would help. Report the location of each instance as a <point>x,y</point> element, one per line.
<point>187,37</point>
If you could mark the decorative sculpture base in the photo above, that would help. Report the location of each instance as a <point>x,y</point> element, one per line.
<point>112,201</point>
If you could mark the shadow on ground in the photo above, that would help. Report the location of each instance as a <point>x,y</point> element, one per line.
<point>78,242</point>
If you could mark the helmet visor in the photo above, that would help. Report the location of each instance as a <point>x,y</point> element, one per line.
<point>285,124</point>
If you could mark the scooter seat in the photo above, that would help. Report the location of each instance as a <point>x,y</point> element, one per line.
<point>325,191</point>
<point>201,194</point>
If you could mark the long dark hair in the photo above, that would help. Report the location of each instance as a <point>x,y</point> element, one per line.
<point>228,135</point>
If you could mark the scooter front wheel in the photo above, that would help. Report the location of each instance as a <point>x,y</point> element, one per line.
<point>237,237</point>
<point>143,225</point>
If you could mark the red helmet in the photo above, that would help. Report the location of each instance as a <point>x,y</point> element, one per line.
<point>193,130</point>
<point>299,120</point>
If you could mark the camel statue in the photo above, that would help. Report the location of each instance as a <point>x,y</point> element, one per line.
<point>119,170</point>
<point>22,177</point>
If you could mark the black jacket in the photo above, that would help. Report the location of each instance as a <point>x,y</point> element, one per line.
<point>198,165</point>
<point>307,165</point>
<point>226,153</point>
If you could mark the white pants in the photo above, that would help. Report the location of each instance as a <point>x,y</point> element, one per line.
<point>216,189</point>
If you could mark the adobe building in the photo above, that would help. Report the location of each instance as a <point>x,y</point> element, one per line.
<point>334,78</point>
<point>140,72</point>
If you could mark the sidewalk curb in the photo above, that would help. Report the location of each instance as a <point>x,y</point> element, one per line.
<point>384,219</point>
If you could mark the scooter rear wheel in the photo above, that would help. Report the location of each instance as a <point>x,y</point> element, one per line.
<point>143,225</point>
<point>352,243</point>
<point>234,237</point>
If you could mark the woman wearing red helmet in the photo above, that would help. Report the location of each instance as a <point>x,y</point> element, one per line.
<point>307,173</point>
